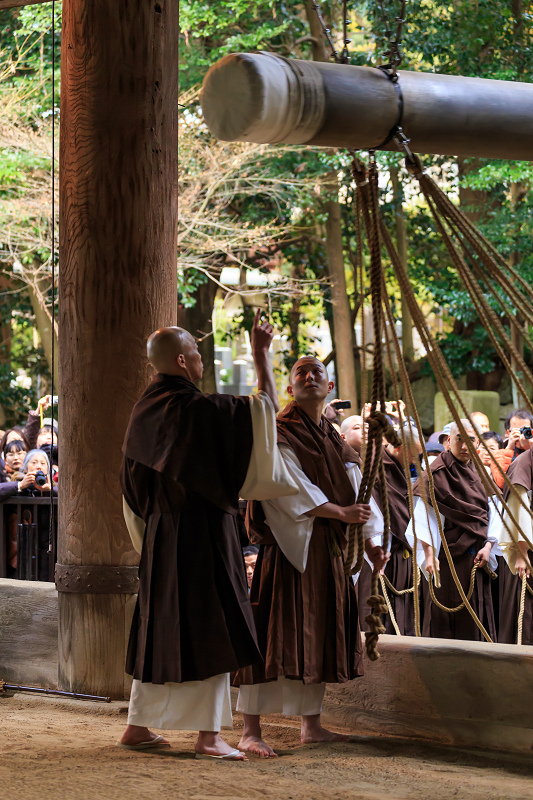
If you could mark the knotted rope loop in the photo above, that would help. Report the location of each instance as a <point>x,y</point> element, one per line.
<point>379,606</point>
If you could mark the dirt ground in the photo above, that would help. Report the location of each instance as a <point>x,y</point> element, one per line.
<point>66,750</point>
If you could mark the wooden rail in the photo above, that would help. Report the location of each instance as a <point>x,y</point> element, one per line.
<point>18,3</point>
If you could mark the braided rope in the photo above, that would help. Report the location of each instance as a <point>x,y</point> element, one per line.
<point>416,169</point>
<point>468,596</point>
<point>490,320</point>
<point>522,609</point>
<point>383,583</point>
<point>440,369</point>
<point>397,592</point>
<point>446,382</point>
<point>412,412</point>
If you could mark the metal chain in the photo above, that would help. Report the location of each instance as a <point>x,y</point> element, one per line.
<point>327,32</point>
<point>344,56</point>
<point>393,54</point>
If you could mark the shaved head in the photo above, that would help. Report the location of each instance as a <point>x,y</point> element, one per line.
<point>467,426</point>
<point>458,442</point>
<point>302,360</point>
<point>348,423</point>
<point>309,382</point>
<point>173,351</point>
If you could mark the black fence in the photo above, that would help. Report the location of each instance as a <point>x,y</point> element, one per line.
<point>27,551</point>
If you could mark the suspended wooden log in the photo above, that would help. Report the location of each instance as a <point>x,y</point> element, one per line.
<point>263,98</point>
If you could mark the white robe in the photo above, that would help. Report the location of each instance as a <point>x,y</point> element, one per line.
<point>292,528</point>
<point>425,524</point>
<point>206,705</point>
<point>523,532</point>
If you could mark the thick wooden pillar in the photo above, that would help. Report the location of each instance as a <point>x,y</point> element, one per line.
<point>118,195</point>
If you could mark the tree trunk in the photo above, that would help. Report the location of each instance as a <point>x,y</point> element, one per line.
<point>343,329</point>
<point>43,323</point>
<point>198,320</point>
<point>342,315</point>
<point>118,249</point>
<point>401,244</point>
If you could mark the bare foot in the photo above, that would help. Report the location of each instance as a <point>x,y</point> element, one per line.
<point>135,734</point>
<point>254,744</point>
<point>210,743</point>
<point>319,734</point>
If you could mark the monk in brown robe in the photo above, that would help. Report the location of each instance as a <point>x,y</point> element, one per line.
<point>521,476</point>
<point>305,607</point>
<point>399,569</point>
<point>186,457</point>
<point>463,505</point>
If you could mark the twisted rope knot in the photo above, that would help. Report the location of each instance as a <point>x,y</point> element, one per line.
<point>379,425</point>
<point>379,606</point>
<point>359,172</point>
<point>414,165</point>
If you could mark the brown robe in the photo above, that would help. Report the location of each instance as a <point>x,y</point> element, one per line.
<point>307,623</point>
<point>462,499</point>
<point>186,455</point>
<point>399,568</point>
<point>520,473</point>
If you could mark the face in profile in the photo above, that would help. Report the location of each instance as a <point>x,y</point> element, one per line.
<point>352,431</point>
<point>193,360</point>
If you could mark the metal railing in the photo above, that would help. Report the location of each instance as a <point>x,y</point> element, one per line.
<point>35,555</point>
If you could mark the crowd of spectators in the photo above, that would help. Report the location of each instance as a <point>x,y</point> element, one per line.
<point>29,468</point>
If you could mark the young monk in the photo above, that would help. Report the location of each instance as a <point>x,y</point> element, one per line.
<point>399,569</point>
<point>521,476</point>
<point>464,508</point>
<point>304,605</point>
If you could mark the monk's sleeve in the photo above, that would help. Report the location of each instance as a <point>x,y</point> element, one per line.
<point>424,524</point>
<point>373,529</point>
<point>131,506</point>
<point>512,533</point>
<point>287,516</point>
<point>267,475</point>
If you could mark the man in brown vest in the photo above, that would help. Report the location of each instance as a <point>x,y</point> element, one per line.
<point>399,569</point>
<point>304,605</point>
<point>516,552</point>
<point>464,508</point>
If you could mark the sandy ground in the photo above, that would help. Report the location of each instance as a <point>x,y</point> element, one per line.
<point>66,751</point>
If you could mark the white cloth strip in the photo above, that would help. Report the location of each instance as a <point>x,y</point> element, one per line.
<point>283,696</point>
<point>190,706</point>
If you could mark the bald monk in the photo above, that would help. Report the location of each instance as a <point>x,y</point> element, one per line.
<point>399,569</point>
<point>517,553</point>
<point>305,607</point>
<point>187,457</point>
<point>464,508</point>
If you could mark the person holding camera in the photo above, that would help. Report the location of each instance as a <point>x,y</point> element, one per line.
<point>36,470</point>
<point>519,439</point>
<point>36,483</point>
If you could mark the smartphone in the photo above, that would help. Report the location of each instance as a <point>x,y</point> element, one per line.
<point>341,403</point>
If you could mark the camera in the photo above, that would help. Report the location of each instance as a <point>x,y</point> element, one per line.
<point>40,478</point>
<point>526,432</point>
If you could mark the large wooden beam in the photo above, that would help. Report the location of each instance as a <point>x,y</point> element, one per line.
<point>118,253</point>
<point>265,99</point>
<point>18,3</point>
